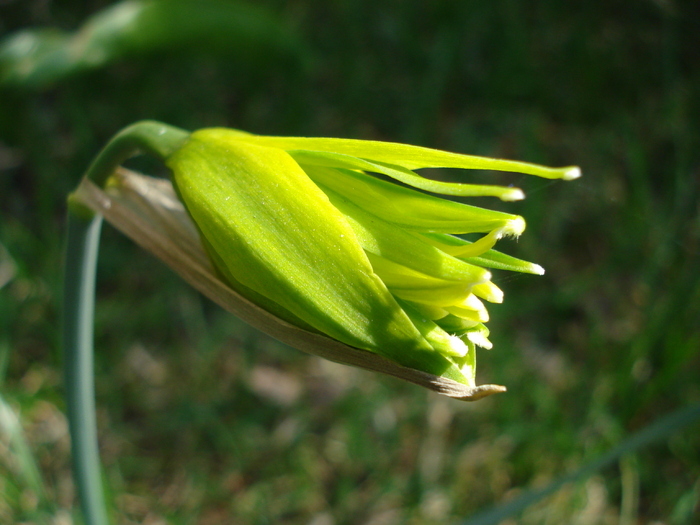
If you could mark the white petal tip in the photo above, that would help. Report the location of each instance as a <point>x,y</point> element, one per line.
<point>537,269</point>
<point>572,173</point>
<point>479,339</point>
<point>514,194</point>
<point>515,227</point>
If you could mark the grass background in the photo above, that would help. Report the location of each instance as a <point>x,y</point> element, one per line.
<point>205,421</point>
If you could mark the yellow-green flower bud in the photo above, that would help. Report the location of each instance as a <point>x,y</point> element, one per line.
<point>302,228</point>
<point>300,238</point>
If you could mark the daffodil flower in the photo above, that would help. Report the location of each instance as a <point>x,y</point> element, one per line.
<point>339,243</point>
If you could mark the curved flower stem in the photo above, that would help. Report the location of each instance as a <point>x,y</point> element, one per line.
<point>78,308</point>
<point>159,140</point>
<point>148,136</point>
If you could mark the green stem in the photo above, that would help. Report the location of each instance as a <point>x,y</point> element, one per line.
<point>159,140</point>
<point>78,308</point>
<point>145,137</point>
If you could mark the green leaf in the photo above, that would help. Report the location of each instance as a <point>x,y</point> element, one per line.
<point>39,58</point>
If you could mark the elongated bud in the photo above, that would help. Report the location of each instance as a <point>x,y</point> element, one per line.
<point>303,241</point>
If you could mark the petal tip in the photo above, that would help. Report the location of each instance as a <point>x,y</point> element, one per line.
<point>513,194</point>
<point>572,173</point>
<point>515,227</point>
<point>479,339</point>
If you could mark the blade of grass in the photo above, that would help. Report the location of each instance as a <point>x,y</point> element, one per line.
<point>24,464</point>
<point>660,429</point>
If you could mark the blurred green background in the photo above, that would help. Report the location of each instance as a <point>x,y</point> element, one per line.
<point>205,421</point>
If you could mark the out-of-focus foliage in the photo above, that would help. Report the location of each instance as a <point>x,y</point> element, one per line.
<point>34,59</point>
<point>204,420</point>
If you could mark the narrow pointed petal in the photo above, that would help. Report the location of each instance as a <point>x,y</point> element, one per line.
<point>411,157</point>
<point>479,337</point>
<point>310,159</point>
<point>468,250</point>
<point>470,311</point>
<point>489,259</point>
<point>488,291</point>
<point>409,208</point>
<point>501,261</point>
<point>447,344</point>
